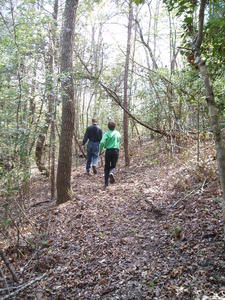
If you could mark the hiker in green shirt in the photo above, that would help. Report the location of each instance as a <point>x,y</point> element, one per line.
<point>111,141</point>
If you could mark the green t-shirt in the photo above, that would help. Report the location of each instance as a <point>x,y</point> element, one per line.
<point>111,139</point>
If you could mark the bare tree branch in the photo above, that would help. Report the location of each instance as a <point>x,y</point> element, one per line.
<point>155,66</point>
<point>9,267</point>
<point>23,287</point>
<point>117,99</point>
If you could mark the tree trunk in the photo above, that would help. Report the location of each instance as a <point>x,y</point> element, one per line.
<point>53,108</point>
<point>88,108</point>
<point>64,192</point>
<point>39,152</point>
<point>213,112</point>
<point>41,140</point>
<point>125,115</point>
<point>215,126</point>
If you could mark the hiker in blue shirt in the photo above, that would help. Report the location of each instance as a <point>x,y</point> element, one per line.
<point>93,135</point>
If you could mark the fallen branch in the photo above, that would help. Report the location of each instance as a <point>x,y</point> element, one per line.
<point>202,187</point>
<point>117,99</point>
<point>6,284</point>
<point>23,287</point>
<point>32,257</point>
<point>189,194</point>
<point>9,267</point>
<point>41,202</point>
<point>182,199</point>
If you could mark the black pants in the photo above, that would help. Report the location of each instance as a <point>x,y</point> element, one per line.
<point>111,158</point>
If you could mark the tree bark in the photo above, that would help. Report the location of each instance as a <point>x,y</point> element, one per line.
<point>64,192</point>
<point>213,112</point>
<point>53,108</point>
<point>39,151</point>
<point>125,103</point>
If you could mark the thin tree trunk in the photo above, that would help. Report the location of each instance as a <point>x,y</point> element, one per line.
<point>19,76</point>
<point>155,28</point>
<point>39,151</point>
<point>88,108</point>
<point>213,112</point>
<point>53,154</point>
<point>76,126</point>
<point>131,81</point>
<point>198,128</point>
<point>64,192</point>
<point>32,96</point>
<point>40,144</point>
<point>155,66</point>
<point>83,110</point>
<point>125,115</point>
<point>53,107</point>
<point>36,126</point>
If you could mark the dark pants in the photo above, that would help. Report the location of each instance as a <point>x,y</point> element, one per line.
<point>111,158</point>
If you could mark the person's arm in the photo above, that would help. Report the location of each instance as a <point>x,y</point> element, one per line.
<point>85,138</point>
<point>100,135</point>
<point>102,142</point>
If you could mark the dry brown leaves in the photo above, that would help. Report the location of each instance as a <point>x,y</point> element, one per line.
<point>147,237</point>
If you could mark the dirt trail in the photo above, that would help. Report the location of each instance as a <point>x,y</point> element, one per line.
<point>130,242</point>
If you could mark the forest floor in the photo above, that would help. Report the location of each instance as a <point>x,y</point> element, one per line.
<point>156,233</point>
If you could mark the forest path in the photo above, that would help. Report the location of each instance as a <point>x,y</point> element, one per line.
<point>146,237</point>
<point>130,241</point>
<point>109,236</point>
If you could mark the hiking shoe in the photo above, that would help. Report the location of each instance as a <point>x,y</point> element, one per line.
<point>94,169</point>
<point>111,178</point>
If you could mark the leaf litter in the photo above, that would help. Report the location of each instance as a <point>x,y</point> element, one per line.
<point>156,233</point>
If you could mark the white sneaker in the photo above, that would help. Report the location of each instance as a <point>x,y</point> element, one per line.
<point>111,178</point>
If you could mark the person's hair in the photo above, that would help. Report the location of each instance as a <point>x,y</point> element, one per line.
<point>94,120</point>
<point>111,125</point>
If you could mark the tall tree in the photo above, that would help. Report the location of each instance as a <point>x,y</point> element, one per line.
<point>63,184</point>
<point>50,114</point>
<point>125,103</point>
<point>213,111</point>
<point>53,104</point>
<point>198,34</point>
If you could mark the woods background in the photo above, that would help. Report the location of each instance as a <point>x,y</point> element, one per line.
<point>155,67</point>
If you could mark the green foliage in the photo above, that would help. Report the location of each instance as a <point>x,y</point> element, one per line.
<point>213,47</point>
<point>214,43</point>
<point>12,182</point>
<point>176,231</point>
<point>181,6</point>
<point>139,2</point>
<point>23,45</point>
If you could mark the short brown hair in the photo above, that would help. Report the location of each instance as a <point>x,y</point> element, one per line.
<point>94,121</point>
<point>111,125</point>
